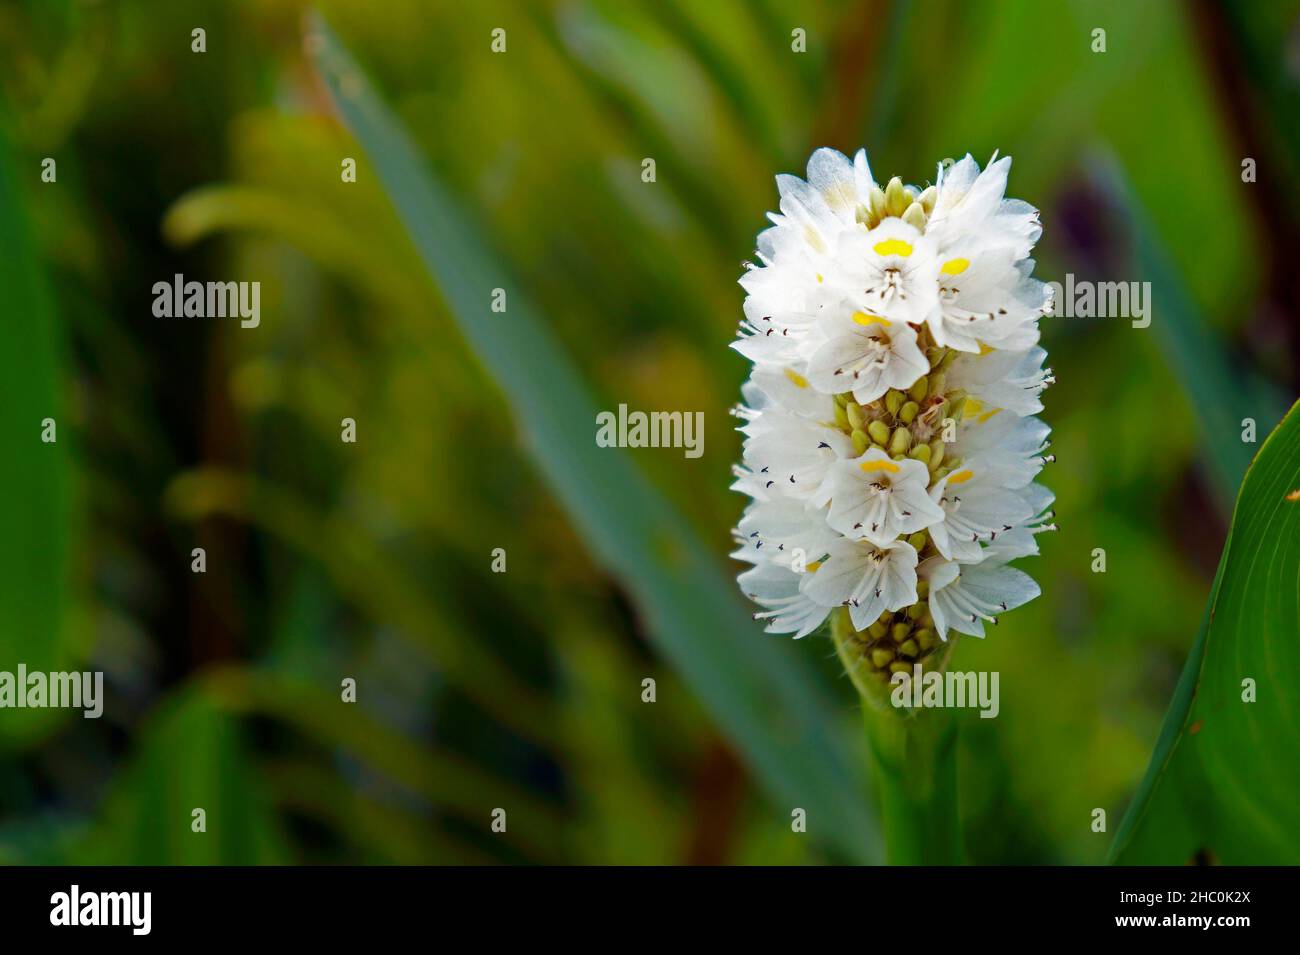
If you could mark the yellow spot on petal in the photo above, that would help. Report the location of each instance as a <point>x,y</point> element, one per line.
<point>955,266</point>
<point>985,349</point>
<point>812,566</point>
<point>961,477</point>
<point>893,247</point>
<point>862,318</point>
<point>974,408</point>
<point>883,464</point>
<point>812,238</point>
<point>840,196</point>
<point>819,277</point>
<point>799,380</point>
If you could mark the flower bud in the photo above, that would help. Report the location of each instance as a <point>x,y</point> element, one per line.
<point>896,200</point>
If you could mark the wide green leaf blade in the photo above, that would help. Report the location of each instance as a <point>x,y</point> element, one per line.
<point>1226,770</point>
<point>36,510</point>
<point>759,689</point>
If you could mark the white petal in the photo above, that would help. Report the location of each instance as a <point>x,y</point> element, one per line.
<point>787,610</point>
<point>868,361</point>
<point>831,174</point>
<point>835,581</point>
<point>875,497</point>
<point>862,174</point>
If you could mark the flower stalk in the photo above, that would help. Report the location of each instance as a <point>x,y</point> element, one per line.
<point>913,767</point>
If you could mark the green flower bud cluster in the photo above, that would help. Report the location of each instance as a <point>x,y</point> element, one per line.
<point>905,424</point>
<point>899,201</point>
<point>897,640</point>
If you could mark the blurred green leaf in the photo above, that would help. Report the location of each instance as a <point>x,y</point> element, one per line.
<point>450,783</point>
<point>36,493</point>
<point>759,689</point>
<point>705,31</point>
<point>379,831</point>
<point>1221,394</point>
<point>607,765</point>
<point>190,756</point>
<point>326,235</point>
<point>363,573</point>
<point>1224,775</point>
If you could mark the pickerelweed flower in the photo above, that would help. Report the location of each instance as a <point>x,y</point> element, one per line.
<point>890,446</point>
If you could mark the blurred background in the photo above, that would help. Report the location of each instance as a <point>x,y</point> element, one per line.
<point>373,561</point>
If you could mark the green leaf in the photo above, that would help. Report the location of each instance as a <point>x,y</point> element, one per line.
<point>363,574</point>
<point>450,783</point>
<point>1222,395</point>
<point>36,485</point>
<point>759,689</point>
<point>190,756</point>
<point>1225,772</point>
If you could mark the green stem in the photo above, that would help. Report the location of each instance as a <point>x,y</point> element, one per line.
<point>914,769</point>
<point>913,764</point>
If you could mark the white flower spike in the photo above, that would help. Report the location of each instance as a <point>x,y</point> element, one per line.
<point>890,450</point>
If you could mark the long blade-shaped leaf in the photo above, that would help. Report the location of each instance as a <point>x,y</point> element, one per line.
<point>758,689</point>
<point>1226,769</point>
<point>36,487</point>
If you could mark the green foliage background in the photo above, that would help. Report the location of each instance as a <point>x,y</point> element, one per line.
<point>372,561</point>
